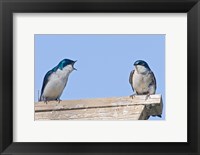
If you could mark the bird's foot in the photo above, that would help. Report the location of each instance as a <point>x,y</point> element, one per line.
<point>147,96</point>
<point>133,95</point>
<point>45,101</point>
<point>59,100</point>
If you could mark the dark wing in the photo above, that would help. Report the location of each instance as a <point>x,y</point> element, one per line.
<point>130,78</point>
<point>45,81</point>
<point>153,80</point>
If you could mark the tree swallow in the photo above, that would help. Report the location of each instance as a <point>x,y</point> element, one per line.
<point>55,80</point>
<point>142,79</point>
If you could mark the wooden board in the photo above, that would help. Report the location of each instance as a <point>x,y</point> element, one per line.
<point>113,113</point>
<point>115,108</point>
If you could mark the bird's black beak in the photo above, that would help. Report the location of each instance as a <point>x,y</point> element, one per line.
<point>73,65</point>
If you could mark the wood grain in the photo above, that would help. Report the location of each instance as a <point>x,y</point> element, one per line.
<point>114,108</point>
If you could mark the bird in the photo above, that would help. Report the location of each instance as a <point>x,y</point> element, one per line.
<point>55,80</point>
<point>142,80</point>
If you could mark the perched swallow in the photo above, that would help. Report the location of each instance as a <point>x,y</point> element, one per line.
<point>55,80</point>
<point>142,79</point>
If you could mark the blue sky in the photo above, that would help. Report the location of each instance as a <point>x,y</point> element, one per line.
<point>103,62</point>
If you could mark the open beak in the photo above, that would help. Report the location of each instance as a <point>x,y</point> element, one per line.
<point>73,65</point>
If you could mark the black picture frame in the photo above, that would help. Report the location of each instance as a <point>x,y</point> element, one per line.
<point>8,7</point>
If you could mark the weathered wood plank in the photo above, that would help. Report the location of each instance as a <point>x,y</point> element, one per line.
<point>113,113</point>
<point>100,108</point>
<point>97,102</point>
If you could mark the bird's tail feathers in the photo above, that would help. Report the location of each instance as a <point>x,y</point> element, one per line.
<point>39,96</point>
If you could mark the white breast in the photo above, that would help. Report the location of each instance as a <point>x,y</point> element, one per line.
<point>57,82</point>
<point>141,82</point>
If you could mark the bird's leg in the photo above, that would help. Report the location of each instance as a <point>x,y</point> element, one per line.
<point>133,95</point>
<point>147,96</point>
<point>45,101</point>
<point>58,99</point>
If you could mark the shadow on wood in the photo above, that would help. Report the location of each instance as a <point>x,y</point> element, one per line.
<point>116,108</point>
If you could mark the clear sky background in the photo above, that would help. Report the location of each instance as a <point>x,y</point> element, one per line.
<point>104,63</point>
